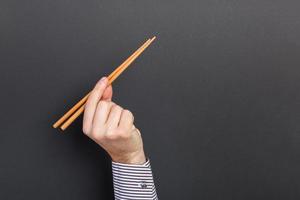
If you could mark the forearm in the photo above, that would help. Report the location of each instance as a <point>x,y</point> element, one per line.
<point>133,182</point>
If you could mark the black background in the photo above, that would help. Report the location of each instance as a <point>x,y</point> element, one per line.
<point>216,96</point>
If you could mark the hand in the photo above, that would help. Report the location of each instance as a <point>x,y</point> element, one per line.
<point>111,126</point>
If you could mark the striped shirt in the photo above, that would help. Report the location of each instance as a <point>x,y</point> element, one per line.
<point>133,182</point>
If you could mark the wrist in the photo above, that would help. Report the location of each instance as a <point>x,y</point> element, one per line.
<point>135,158</point>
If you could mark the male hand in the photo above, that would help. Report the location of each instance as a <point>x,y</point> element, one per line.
<point>111,126</point>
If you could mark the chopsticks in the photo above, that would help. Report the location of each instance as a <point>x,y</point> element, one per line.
<point>66,120</point>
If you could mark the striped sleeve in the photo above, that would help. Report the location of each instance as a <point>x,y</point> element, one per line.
<point>133,182</point>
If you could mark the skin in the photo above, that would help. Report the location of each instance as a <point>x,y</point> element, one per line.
<point>112,127</point>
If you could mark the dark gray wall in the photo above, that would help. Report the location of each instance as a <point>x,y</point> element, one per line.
<point>216,96</point>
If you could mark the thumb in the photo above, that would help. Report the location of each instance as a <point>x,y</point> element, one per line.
<point>108,93</point>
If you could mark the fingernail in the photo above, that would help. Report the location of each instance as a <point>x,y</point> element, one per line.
<point>103,80</point>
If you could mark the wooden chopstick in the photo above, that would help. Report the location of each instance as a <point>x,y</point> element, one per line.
<point>83,100</point>
<point>123,68</point>
<point>114,77</point>
<point>111,78</point>
<point>128,59</point>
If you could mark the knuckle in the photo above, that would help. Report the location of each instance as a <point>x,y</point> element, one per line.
<point>93,133</point>
<point>126,135</point>
<point>117,107</point>
<point>112,106</point>
<point>99,138</point>
<point>99,133</point>
<point>99,86</point>
<point>94,94</point>
<point>85,129</point>
<point>102,103</point>
<point>123,134</point>
<point>88,101</point>
<point>138,131</point>
<point>96,133</point>
<point>129,114</point>
<point>117,134</point>
<point>109,131</point>
<point>111,136</point>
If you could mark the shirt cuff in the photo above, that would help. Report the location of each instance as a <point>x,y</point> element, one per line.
<point>133,181</point>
